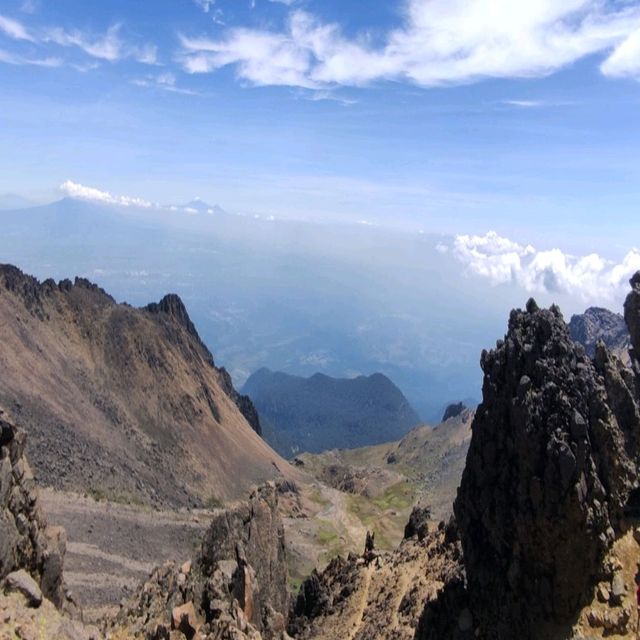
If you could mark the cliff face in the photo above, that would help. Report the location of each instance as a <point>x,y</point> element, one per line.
<point>125,403</point>
<point>551,465</point>
<point>235,588</point>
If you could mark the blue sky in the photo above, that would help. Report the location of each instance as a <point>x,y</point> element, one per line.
<point>451,116</point>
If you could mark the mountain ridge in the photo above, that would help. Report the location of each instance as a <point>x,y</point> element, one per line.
<point>130,399</point>
<point>322,412</point>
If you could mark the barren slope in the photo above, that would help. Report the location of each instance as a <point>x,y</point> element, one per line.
<point>121,402</point>
<point>428,459</point>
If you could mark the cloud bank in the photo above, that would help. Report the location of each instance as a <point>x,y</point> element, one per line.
<point>501,260</point>
<point>440,42</point>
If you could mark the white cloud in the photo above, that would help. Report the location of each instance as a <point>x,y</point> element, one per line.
<point>625,59</point>
<point>82,192</point>
<point>107,47</point>
<point>14,29</point>
<point>7,57</point>
<point>205,5</point>
<point>501,261</point>
<point>526,104</point>
<point>263,58</point>
<point>147,54</point>
<point>441,42</point>
<point>164,81</point>
<point>208,6</point>
<point>110,46</point>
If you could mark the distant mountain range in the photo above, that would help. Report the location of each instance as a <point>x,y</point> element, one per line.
<point>319,413</point>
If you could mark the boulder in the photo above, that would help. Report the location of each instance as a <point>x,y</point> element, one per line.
<point>184,619</point>
<point>23,583</point>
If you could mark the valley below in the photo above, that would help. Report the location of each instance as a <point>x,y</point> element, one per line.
<point>338,497</point>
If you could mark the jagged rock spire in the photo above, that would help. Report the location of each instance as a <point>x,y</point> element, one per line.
<point>552,462</point>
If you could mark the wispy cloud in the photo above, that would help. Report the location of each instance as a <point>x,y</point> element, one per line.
<point>14,29</point>
<point>8,57</point>
<point>146,54</point>
<point>502,260</point>
<point>441,42</point>
<point>208,6</point>
<point>29,6</point>
<point>107,47</point>
<point>526,104</point>
<point>205,5</point>
<point>165,82</point>
<point>331,96</point>
<point>82,192</point>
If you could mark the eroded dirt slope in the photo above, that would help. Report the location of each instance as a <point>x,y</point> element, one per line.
<point>124,403</point>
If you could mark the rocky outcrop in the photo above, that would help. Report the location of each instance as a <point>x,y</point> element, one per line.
<point>235,589</point>
<point>453,410</point>
<point>27,544</point>
<point>632,318</point>
<point>34,602</point>
<point>551,465</point>
<point>244,403</point>
<point>601,325</point>
<point>379,595</point>
<point>418,524</point>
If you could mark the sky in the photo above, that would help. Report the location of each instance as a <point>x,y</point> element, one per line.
<point>459,117</point>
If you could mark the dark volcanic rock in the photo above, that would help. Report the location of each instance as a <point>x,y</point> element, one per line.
<point>243,402</point>
<point>234,589</point>
<point>632,318</point>
<point>418,524</point>
<point>551,464</point>
<point>598,324</point>
<point>453,410</point>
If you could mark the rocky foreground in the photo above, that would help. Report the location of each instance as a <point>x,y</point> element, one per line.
<point>544,542</point>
